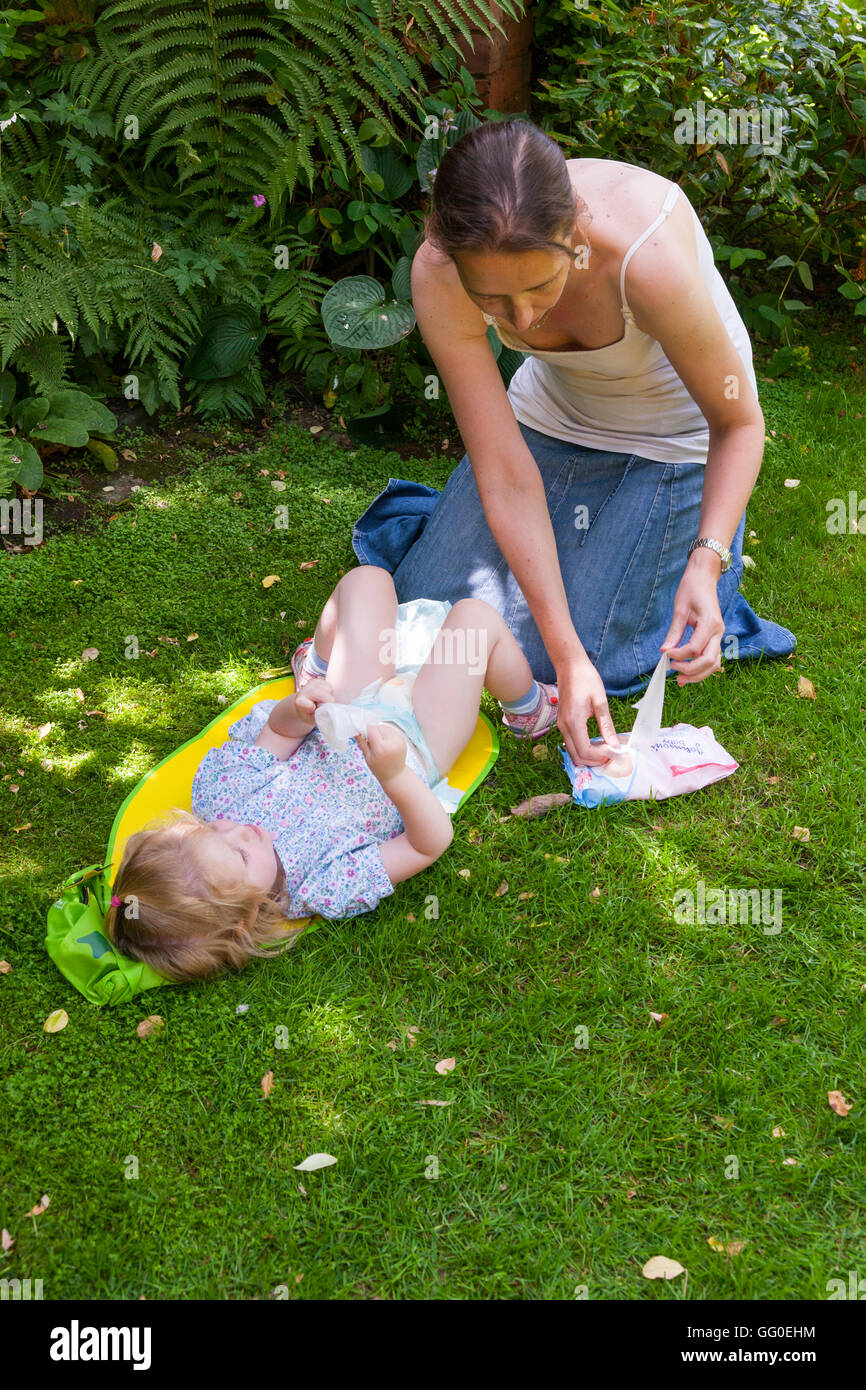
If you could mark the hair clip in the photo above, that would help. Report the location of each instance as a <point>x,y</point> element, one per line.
<point>115,900</point>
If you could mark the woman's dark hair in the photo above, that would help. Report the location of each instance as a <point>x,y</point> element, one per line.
<point>503,187</point>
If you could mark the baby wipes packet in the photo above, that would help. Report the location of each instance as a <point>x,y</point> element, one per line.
<point>653,762</point>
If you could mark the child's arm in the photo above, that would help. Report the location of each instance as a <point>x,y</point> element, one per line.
<point>291,720</point>
<point>428,831</point>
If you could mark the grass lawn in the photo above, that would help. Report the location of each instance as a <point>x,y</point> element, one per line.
<point>558,1166</point>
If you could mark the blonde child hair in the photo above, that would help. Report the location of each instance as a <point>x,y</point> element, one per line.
<point>168,912</point>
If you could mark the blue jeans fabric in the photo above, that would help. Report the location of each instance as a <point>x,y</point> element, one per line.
<point>621,558</point>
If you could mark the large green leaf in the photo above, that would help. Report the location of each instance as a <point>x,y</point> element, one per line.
<point>68,404</point>
<point>396,176</point>
<point>230,334</point>
<point>58,429</point>
<point>30,411</point>
<point>401,280</point>
<point>356,315</point>
<point>28,472</point>
<point>104,452</point>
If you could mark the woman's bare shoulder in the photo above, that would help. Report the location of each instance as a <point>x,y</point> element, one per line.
<point>439,299</point>
<point>622,201</point>
<point>430,258</point>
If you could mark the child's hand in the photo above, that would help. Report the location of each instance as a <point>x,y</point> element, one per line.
<point>384,750</point>
<point>314,693</point>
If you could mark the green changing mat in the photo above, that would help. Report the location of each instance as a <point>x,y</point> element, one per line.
<point>76,939</point>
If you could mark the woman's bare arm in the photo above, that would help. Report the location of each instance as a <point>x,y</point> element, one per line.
<point>511,490</point>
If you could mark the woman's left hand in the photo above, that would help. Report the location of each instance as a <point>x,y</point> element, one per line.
<point>697,604</point>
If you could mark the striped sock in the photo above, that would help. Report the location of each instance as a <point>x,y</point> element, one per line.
<point>314,663</point>
<point>526,704</point>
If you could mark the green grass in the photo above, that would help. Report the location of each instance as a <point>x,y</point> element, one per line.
<point>558,1166</point>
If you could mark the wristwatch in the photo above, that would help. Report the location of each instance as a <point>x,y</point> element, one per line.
<point>721,550</point>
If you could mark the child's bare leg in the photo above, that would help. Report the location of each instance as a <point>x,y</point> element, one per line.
<point>473,649</point>
<point>355,633</point>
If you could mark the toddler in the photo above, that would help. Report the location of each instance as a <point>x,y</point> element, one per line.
<point>285,825</point>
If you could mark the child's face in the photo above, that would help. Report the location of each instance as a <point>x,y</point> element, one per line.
<point>243,852</point>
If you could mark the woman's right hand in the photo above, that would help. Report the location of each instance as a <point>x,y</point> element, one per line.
<point>581,696</point>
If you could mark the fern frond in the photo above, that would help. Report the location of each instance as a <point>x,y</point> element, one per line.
<point>45,361</point>
<point>195,73</point>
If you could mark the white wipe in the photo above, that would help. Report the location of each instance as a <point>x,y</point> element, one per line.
<point>654,762</point>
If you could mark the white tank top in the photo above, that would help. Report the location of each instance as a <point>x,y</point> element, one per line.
<point>626,397</point>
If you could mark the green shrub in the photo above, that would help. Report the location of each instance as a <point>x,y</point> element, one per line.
<point>616,82</point>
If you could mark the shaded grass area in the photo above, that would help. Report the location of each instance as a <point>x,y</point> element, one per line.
<point>558,1165</point>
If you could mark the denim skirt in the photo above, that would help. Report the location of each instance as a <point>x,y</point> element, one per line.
<point>622,526</point>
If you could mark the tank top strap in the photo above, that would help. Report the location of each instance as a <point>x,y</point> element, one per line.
<point>667,207</point>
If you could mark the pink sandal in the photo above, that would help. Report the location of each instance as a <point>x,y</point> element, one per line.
<point>297,663</point>
<point>538,721</point>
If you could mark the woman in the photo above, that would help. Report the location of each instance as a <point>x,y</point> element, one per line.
<point>600,506</point>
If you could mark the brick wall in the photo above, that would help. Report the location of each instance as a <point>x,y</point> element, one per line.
<point>502,64</point>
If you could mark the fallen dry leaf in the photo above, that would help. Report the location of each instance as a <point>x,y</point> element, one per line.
<point>90,654</point>
<point>837,1102</point>
<point>155,251</point>
<point>434,1102</point>
<point>267,1083</point>
<point>801,832</point>
<point>464,873</point>
<point>44,730</point>
<point>657,1018</point>
<point>56,1021</point>
<point>308,564</point>
<point>720,1120</point>
<point>773,780</point>
<point>40,1207</point>
<point>779,1132</point>
<point>539,751</point>
<point>79,694</point>
<point>660,1267</point>
<point>540,805</point>
<point>524,897</point>
<point>447,1064</point>
<point>790,1163</point>
<point>149,1025</point>
<point>314,1162</point>
<point>792,482</point>
<point>269,580</point>
<point>27,826</point>
<point>192,637</point>
<point>596,893</point>
<point>805,689</point>
<point>722,1247</point>
<point>5,967</point>
<point>392,1043</point>
<point>6,1241</point>
<point>503,888</point>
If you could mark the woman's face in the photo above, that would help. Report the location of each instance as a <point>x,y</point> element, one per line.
<point>518,287</point>
<point>243,852</point>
